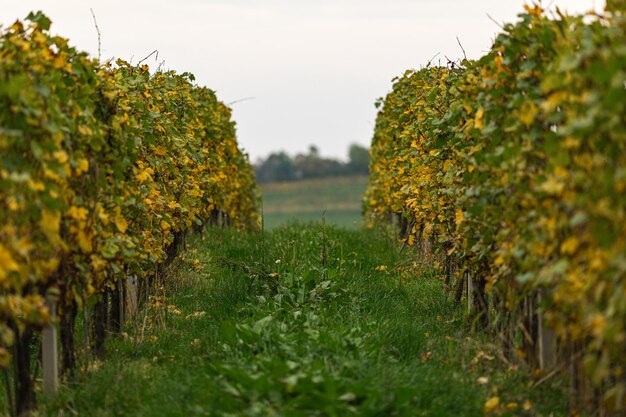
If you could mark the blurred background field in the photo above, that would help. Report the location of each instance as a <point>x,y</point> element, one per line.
<point>339,199</point>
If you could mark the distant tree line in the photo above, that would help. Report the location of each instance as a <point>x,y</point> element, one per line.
<point>281,167</point>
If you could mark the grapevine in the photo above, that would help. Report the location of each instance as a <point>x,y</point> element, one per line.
<point>512,169</point>
<point>103,168</point>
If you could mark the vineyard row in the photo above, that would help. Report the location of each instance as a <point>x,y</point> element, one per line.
<point>103,170</point>
<point>511,172</point>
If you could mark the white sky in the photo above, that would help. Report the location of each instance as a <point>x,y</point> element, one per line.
<point>314,67</point>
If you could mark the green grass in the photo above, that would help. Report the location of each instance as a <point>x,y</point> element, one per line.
<point>301,321</point>
<point>340,198</point>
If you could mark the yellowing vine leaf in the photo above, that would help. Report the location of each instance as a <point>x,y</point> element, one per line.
<point>478,119</point>
<point>120,220</point>
<point>144,174</point>
<point>527,113</point>
<point>7,263</point>
<point>84,241</point>
<point>570,245</point>
<point>50,224</point>
<point>82,166</point>
<point>459,217</point>
<point>77,213</point>
<point>61,156</point>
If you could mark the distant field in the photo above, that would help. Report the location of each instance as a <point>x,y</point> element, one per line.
<point>340,197</point>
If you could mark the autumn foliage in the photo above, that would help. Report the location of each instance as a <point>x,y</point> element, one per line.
<point>102,168</point>
<point>512,169</point>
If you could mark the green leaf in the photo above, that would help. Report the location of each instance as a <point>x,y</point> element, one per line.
<point>40,19</point>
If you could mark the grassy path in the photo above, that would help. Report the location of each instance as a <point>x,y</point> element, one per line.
<point>302,321</point>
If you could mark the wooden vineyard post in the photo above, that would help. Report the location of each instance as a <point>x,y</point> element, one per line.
<point>394,225</point>
<point>133,300</point>
<point>49,354</point>
<point>469,293</point>
<point>221,219</point>
<point>121,304</point>
<point>547,339</point>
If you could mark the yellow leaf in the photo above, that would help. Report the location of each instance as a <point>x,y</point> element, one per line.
<point>50,224</point>
<point>97,263</point>
<point>478,119</point>
<point>119,220</point>
<point>561,172</point>
<point>52,175</point>
<point>491,404</point>
<point>59,62</point>
<point>196,192</point>
<point>165,225</point>
<point>7,263</point>
<point>160,150</point>
<point>527,112</point>
<point>60,156</point>
<point>77,213</point>
<point>474,149</point>
<point>174,310</point>
<point>50,266</point>
<point>82,166</point>
<point>534,10</point>
<point>36,185</point>
<point>84,242</point>
<point>102,215</point>
<point>598,261</point>
<point>12,203</point>
<point>459,217</point>
<point>571,143</point>
<point>144,174</point>
<point>570,245</point>
<point>553,101</point>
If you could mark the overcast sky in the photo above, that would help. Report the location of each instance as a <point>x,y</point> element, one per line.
<point>306,71</point>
